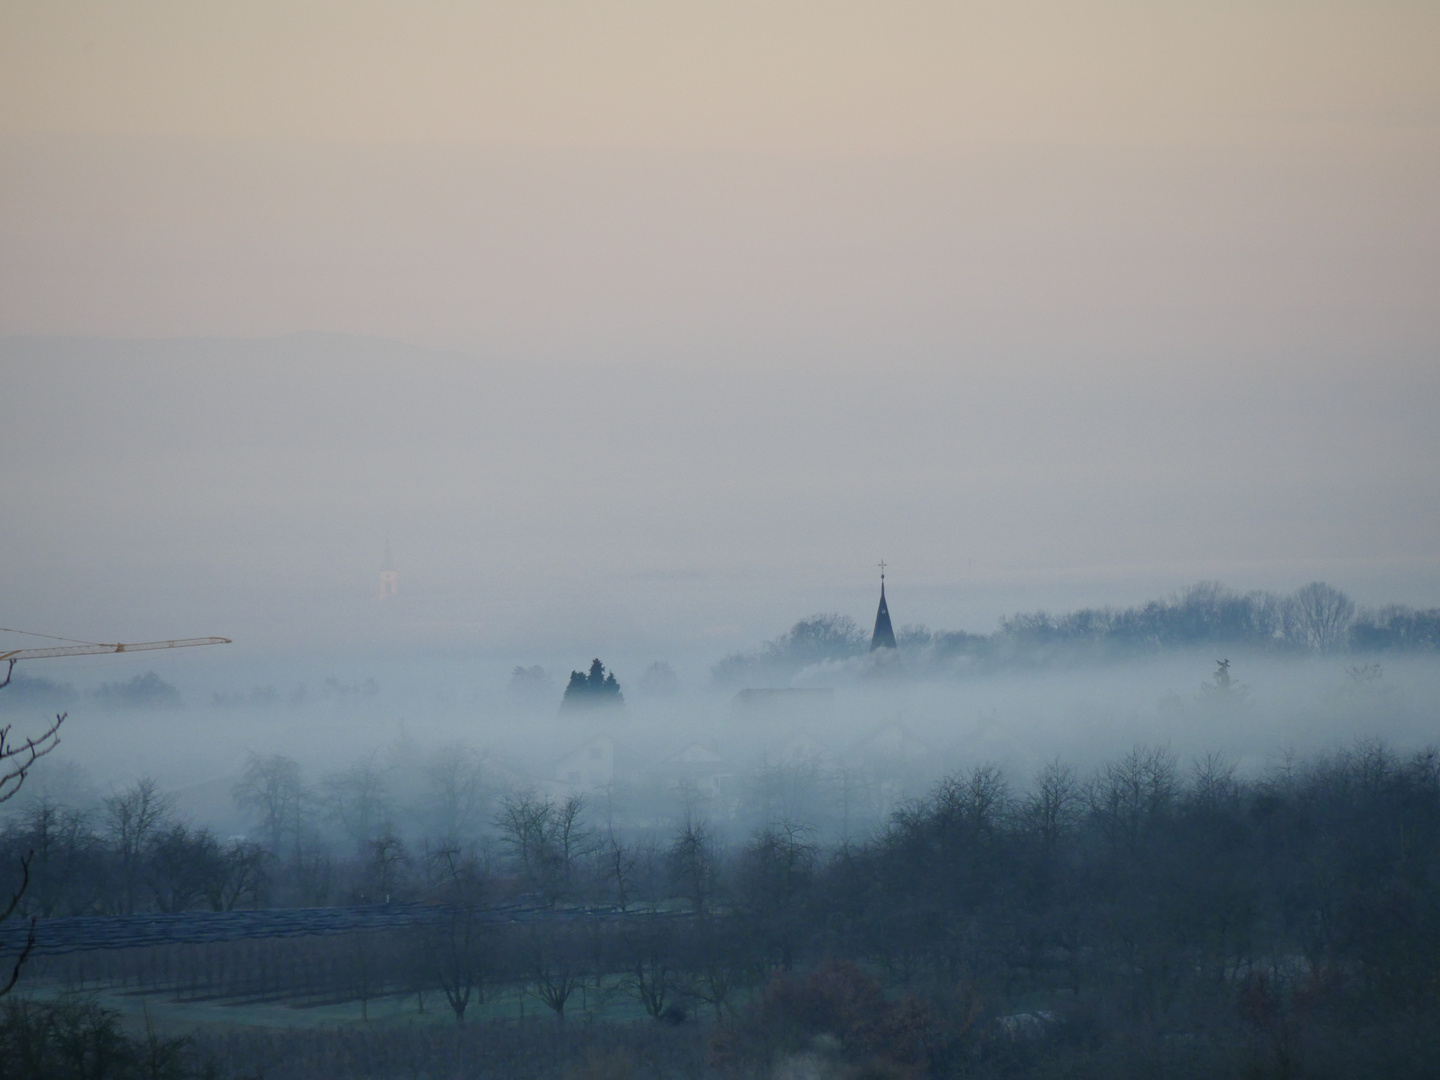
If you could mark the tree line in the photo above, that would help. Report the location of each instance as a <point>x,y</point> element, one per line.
<point>1152,916</point>
<point>1317,618</point>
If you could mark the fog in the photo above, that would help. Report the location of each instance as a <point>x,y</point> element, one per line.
<point>856,743</point>
<point>544,514</point>
<point>537,397</point>
<point>161,489</point>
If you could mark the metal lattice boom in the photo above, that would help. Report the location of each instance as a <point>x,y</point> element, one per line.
<point>116,647</point>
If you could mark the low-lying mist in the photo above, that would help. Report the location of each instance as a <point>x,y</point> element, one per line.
<point>838,748</point>
<point>1204,827</point>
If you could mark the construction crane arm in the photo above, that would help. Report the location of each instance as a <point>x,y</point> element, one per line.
<point>87,650</point>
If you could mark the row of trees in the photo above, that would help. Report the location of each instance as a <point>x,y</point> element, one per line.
<point>132,854</point>
<point>1253,925</point>
<point>1317,618</point>
<point>1314,618</point>
<point>1167,894</point>
<point>364,833</point>
<point>147,691</point>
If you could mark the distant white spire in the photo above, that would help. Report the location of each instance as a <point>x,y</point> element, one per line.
<point>389,576</point>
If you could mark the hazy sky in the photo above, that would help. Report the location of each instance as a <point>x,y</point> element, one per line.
<point>691,178</point>
<point>1042,302</point>
<point>863,77</point>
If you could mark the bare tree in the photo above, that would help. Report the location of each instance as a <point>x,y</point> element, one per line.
<point>693,864</point>
<point>16,758</point>
<point>547,840</point>
<point>456,791</point>
<point>273,791</point>
<point>29,946</point>
<point>715,958</point>
<point>65,876</point>
<point>573,841</point>
<point>788,789</point>
<point>383,870</point>
<point>133,817</point>
<point>979,802</point>
<point>243,878</point>
<point>1322,615</point>
<point>526,824</point>
<point>358,798</point>
<point>776,869</point>
<point>1052,808</point>
<point>458,949</point>
<point>362,968</point>
<point>552,961</point>
<point>617,866</point>
<point>1129,797</point>
<point>646,951</point>
<point>182,866</point>
<point>312,876</point>
<point>187,867</point>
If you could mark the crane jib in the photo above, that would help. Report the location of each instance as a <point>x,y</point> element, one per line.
<point>91,650</point>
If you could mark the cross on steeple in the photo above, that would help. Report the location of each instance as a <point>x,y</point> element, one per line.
<point>882,569</point>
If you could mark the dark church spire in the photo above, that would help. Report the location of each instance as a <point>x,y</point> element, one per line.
<point>884,636</point>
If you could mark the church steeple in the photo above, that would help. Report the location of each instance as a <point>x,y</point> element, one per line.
<point>884,636</point>
<point>389,577</point>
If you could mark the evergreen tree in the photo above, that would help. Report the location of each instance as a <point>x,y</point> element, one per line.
<point>596,688</point>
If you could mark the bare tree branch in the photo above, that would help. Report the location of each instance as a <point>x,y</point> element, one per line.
<point>15,762</point>
<point>29,946</point>
<point>16,758</point>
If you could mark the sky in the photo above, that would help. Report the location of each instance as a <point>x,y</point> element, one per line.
<point>654,326</point>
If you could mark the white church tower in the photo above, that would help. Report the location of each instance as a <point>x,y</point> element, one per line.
<point>389,576</point>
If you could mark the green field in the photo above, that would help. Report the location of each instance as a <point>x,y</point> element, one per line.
<point>172,1013</point>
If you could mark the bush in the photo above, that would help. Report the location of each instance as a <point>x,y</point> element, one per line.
<point>77,1039</point>
<point>838,1011</point>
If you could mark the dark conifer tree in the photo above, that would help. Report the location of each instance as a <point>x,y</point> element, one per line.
<point>597,688</point>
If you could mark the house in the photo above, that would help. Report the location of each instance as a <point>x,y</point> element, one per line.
<point>699,768</point>
<point>588,767</point>
<point>891,744</point>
